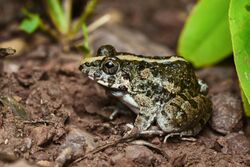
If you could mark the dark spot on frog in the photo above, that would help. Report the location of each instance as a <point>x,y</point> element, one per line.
<point>202,122</point>
<point>97,74</point>
<point>155,72</point>
<point>180,115</point>
<point>247,7</point>
<point>126,76</point>
<point>157,88</point>
<point>143,115</point>
<point>186,83</point>
<point>141,87</point>
<point>183,97</point>
<point>149,93</point>
<point>141,66</point>
<point>95,63</point>
<point>111,80</point>
<point>123,88</point>
<point>193,103</point>
<point>165,115</point>
<point>83,68</point>
<point>125,64</point>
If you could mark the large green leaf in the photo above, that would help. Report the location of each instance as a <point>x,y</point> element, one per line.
<point>239,17</point>
<point>205,38</point>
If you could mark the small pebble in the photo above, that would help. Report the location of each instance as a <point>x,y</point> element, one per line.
<point>139,154</point>
<point>227,113</point>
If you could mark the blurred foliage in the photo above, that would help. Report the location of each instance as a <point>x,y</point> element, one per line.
<point>206,38</point>
<point>60,23</point>
<point>31,23</point>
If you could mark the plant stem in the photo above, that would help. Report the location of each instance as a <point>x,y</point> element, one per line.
<point>49,30</point>
<point>82,19</point>
<point>57,16</point>
<point>67,6</point>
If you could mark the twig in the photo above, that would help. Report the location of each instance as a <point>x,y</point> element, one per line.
<point>88,9</point>
<point>133,135</point>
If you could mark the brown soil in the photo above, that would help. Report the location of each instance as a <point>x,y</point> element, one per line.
<point>51,114</point>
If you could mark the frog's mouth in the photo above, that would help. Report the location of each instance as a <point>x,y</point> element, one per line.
<point>102,82</point>
<point>112,87</point>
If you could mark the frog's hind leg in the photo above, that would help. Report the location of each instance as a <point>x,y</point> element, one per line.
<point>184,115</point>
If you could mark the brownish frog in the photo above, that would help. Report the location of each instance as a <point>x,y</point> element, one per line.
<point>164,90</point>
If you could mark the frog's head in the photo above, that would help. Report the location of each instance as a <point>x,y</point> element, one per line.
<point>105,68</point>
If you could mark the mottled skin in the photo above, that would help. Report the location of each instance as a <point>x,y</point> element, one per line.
<point>164,90</point>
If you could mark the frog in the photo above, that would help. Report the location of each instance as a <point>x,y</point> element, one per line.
<point>162,91</point>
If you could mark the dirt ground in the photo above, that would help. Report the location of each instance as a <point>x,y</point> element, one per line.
<point>52,115</point>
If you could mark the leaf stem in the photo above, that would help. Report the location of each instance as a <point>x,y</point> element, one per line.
<point>57,15</point>
<point>82,19</point>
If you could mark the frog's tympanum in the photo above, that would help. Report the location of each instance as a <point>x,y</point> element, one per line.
<point>161,90</point>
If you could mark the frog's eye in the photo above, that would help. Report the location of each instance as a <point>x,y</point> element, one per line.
<point>106,50</point>
<point>110,66</point>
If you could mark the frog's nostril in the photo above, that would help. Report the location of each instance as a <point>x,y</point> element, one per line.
<point>81,67</point>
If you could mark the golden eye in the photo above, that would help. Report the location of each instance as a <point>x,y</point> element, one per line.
<point>110,66</point>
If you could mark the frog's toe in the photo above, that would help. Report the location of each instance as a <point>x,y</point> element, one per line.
<point>169,136</point>
<point>191,139</point>
<point>203,87</point>
<point>114,114</point>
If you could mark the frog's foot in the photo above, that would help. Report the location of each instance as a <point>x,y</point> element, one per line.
<point>191,139</point>
<point>117,109</point>
<point>131,127</point>
<point>114,114</point>
<point>203,87</point>
<point>152,131</point>
<point>170,135</point>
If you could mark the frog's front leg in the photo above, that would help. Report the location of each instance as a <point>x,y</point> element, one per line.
<point>147,111</point>
<point>145,117</point>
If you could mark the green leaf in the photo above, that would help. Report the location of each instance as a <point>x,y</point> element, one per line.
<point>205,38</point>
<point>246,104</point>
<point>85,45</point>
<point>31,23</point>
<point>86,12</point>
<point>239,17</point>
<point>57,15</point>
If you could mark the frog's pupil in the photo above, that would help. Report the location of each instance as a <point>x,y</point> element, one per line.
<point>109,64</point>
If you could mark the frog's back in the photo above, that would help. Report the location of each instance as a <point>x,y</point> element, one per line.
<point>180,74</point>
<point>174,73</point>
